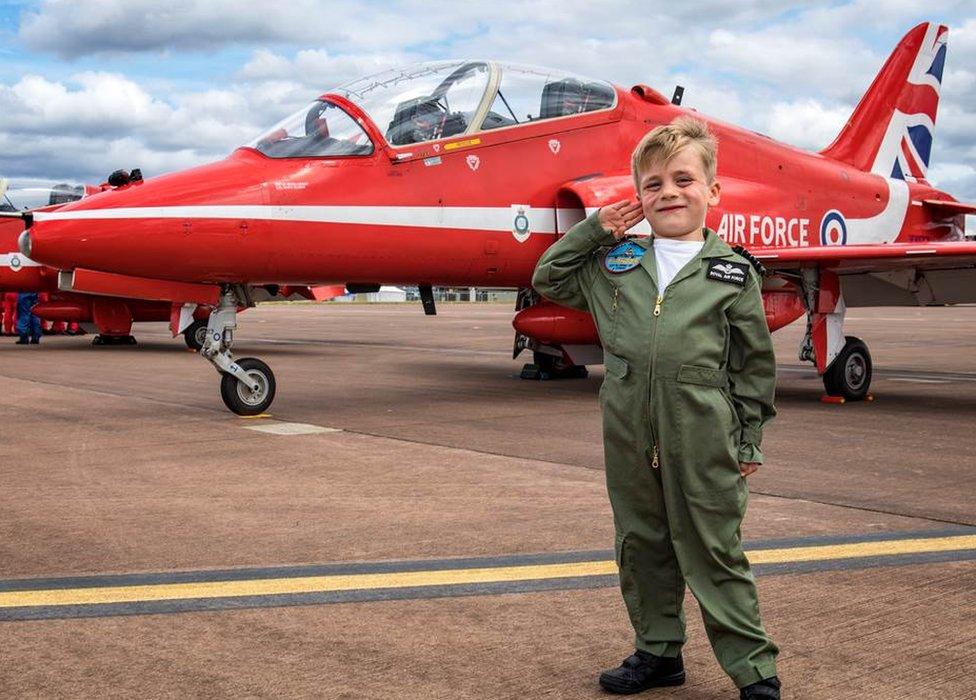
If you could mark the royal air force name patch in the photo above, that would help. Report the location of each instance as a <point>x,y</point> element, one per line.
<point>726,271</point>
<point>623,257</point>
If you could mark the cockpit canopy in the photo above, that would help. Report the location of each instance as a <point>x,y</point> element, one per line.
<point>429,101</point>
<point>321,129</point>
<point>27,198</point>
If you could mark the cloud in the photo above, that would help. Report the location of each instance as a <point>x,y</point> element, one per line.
<point>102,102</point>
<point>319,69</point>
<point>93,123</point>
<point>806,123</point>
<point>72,28</point>
<point>787,69</point>
<point>831,67</point>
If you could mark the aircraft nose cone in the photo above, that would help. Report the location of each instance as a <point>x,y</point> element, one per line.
<point>24,243</point>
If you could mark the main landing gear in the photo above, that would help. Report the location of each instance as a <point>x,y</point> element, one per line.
<point>103,339</point>
<point>550,360</point>
<point>247,386</point>
<point>849,375</point>
<point>195,335</point>
<point>843,362</point>
<point>546,366</point>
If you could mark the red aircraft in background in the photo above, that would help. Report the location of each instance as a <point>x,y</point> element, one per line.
<point>111,316</point>
<point>463,173</point>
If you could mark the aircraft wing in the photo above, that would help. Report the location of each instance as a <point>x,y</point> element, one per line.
<point>896,274</point>
<point>948,207</point>
<point>850,259</point>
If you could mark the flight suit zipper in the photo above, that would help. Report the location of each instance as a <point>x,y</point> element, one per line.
<point>655,450</point>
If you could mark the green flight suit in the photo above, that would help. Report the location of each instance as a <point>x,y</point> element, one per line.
<point>689,383</point>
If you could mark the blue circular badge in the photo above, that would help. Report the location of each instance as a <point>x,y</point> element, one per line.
<point>623,257</point>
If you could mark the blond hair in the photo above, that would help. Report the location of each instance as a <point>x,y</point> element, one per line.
<point>664,142</point>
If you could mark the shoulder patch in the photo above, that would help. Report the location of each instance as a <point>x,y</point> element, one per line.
<point>623,257</point>
<point>728,271</point>
<point>760,268</point>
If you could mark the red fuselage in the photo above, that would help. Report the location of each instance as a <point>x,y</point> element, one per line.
<point>446,212</point>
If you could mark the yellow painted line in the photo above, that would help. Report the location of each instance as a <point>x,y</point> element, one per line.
<point>447,577</point>
<point>862,549</point>
<point>303,584</point>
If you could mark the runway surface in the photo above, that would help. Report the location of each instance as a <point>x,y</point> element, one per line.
<point>414,521</point>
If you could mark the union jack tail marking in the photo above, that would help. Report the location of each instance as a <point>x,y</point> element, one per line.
<point>891,130</point>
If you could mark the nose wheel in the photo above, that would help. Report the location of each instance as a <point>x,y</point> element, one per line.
<point>247,386</point>
<point>254,397</point>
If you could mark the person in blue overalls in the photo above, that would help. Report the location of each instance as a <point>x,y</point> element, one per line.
<point>28,325</point>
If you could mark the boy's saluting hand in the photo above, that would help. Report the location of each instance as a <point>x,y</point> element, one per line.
<point>620,217</point>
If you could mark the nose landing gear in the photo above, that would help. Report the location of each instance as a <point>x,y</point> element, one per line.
<point>247,386</point>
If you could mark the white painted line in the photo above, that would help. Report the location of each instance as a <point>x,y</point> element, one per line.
<point>281,428</point>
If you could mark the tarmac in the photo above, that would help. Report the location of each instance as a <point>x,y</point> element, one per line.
<point>412,520</point>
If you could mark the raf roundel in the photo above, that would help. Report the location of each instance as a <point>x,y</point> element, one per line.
<point>623,257</point>
<point>833,229</point>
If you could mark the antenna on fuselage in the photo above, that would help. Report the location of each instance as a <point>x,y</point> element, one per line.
<point>679,92</point>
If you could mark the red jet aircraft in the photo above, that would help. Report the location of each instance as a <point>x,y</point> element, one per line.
<point>463,173</point>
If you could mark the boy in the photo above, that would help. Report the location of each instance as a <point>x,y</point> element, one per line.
<point>690,377</point>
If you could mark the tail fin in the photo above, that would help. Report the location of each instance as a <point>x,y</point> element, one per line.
<point>890,132</point>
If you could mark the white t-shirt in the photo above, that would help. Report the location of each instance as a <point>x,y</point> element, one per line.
<point>671,256</point>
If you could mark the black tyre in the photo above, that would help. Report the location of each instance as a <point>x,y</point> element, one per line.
<point>102,340</point>
<point>547,362</point>
<point>239,398</point>
<point>195,335</point>
<point>849,375</point>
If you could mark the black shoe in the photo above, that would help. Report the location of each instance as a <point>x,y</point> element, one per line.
<point>766,689</point>
<point>22,340</point>
<point>641,671</point>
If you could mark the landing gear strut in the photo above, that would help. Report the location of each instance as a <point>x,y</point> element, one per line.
<point>247,386</point>
<point>843,362</point>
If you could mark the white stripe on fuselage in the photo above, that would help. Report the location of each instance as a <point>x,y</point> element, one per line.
<point>883,227</point>
<point>541,220</point>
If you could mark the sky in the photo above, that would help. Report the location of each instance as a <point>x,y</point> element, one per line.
<point>91,86</point>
